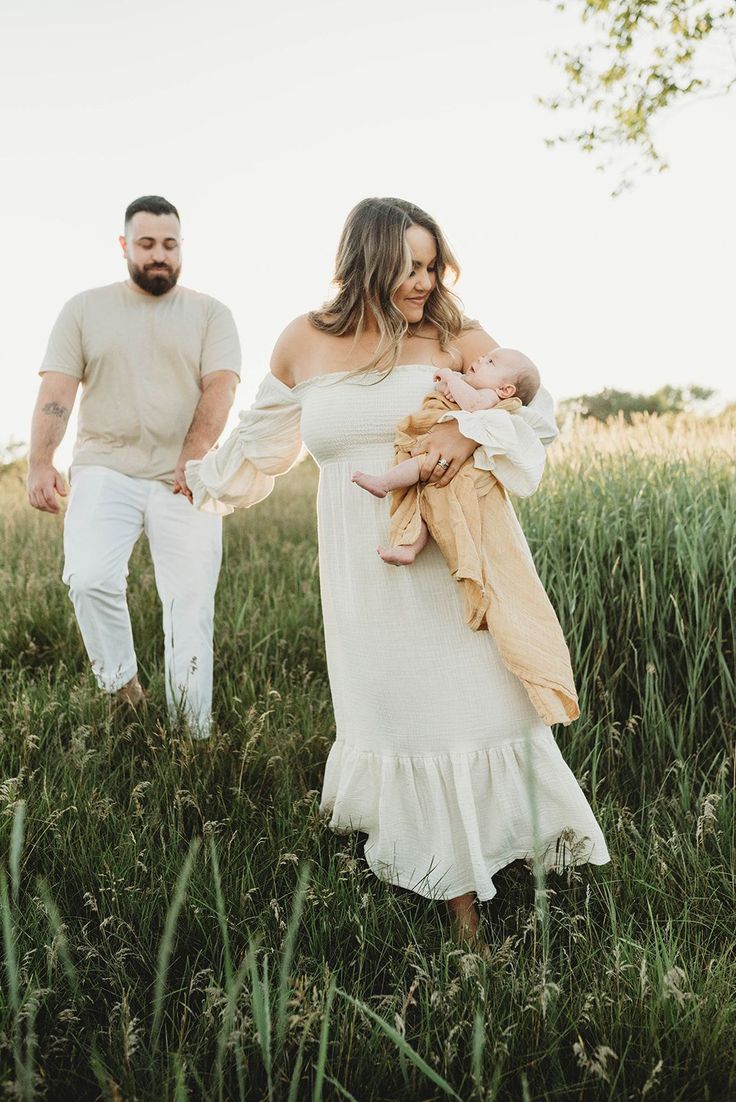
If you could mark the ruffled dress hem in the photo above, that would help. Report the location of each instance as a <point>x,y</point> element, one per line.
<point>458,819</point>
<point>383,872</point>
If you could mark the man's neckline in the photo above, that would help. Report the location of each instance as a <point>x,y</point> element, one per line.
<point>146,295</point>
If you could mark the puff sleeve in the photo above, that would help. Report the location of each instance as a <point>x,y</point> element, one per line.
<point>511,445</point>
<point>265,443</point>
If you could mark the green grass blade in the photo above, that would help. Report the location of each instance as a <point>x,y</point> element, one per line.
<point>287,954</point>
<point>260,1001</point>
<point>323,1038</point>
<point>221,916</point>
<point>16,846</point>
<point>167,940</point>
<point>233,994</point>
<point>57,926</point>
<point>403,1046</point>
<point>343,1091</point>
<point>11,970</point>
<point>11,962</point>
<point>181,1094</point>
<point>296,1073</point>
<point>478,1045</point>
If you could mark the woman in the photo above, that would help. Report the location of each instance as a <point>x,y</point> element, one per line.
<point>439,756</point>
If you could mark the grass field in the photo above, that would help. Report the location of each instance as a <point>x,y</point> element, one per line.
<point>179,923</point>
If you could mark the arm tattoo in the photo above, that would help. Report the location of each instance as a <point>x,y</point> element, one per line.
<point>53,409</point>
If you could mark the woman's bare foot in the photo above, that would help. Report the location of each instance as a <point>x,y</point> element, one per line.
<point>398,556</point>
<point>374,484</point>
<point>465,925</point>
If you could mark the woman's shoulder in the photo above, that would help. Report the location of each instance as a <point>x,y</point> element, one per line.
<point>473,341</point>
<point>292,345</point>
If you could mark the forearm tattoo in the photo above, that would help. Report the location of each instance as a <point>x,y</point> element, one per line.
<point>53,409</point>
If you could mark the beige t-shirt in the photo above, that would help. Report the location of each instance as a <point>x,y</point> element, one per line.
<point>141,359</point>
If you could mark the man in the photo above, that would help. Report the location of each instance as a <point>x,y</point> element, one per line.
<point>159,365</point>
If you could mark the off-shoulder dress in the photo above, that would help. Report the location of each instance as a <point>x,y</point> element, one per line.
<point>439,756</point>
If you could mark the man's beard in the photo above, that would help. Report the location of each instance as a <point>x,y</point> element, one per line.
<point>154,282</point>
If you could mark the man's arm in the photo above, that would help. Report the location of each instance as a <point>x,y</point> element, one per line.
<point>218,392</point>
<point>50,416</point>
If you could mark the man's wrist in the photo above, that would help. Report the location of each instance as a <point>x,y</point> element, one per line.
<point>38,463</point>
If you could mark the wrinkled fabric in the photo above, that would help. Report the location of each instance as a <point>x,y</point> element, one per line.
<point>265,443</point>
<point>474,525</point>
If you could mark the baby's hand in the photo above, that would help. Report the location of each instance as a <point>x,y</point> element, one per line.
<point>441,380</point>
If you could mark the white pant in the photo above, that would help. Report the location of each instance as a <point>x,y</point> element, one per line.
<point>106,515</point>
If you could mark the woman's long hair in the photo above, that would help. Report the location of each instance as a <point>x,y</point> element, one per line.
<point>373,260</point>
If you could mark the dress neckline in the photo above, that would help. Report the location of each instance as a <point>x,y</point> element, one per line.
<point>354,371</point>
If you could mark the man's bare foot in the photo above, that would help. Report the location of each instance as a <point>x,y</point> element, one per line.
<point>398,556</point>
<point>372,483</point>
<point>132,693</point>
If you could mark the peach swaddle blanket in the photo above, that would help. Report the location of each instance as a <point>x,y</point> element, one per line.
<point>476,529</point>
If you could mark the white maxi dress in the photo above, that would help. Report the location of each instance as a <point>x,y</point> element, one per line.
<point>439,756</point>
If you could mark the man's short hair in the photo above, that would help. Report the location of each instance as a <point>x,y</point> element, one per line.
<point>151,204</point>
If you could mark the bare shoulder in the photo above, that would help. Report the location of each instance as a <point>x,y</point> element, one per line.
<point>472,343</point>
<point>290,348</point>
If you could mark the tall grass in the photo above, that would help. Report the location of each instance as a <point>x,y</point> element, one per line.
<point>178,922</point>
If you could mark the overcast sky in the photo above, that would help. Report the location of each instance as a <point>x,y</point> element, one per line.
<point>266,123</point>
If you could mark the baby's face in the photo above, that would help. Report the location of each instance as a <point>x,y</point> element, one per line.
<point>494,370</point>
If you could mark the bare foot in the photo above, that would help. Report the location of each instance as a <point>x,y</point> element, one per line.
<point>132,693</point>
<point>464,914</point>
<point>477,944</point>
<point>398,556</point>
<point>372,483</point>
<point>465,925</point>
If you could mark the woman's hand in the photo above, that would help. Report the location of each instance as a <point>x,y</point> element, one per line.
<point>448,443</point>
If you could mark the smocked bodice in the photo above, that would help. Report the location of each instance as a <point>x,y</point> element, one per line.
<point>348,416</point>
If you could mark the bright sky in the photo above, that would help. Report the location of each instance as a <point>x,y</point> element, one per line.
<point>266,123</point>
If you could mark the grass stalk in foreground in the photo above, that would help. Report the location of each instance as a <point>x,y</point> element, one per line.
<point>167,940</point>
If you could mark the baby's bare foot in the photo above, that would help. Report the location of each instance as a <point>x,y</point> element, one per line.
<point>369,482</point>
<point>398,556</point>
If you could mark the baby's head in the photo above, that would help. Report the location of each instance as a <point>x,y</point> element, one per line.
<point>507,371</point>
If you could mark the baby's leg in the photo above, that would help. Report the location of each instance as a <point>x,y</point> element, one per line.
<point>403,474</point>
<point>405,555</point>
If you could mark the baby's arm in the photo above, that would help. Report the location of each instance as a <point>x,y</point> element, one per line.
<point>466,396</point>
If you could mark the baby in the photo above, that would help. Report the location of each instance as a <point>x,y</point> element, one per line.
<point>504,378</point>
